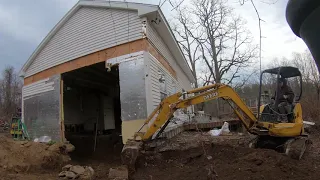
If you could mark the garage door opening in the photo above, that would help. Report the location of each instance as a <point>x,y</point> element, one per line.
<point>91,109</point>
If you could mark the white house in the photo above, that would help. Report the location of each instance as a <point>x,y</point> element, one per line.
<point>104,67</point>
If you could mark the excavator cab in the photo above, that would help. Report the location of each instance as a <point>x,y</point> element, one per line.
<point>269,111</point>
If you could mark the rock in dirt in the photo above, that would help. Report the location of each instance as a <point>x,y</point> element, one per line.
<point>66,167</point>
<point>56,147</point>
<point>69,147</point>
<point>23,142</point>
<point>71,175</point>
<point>120,172</point>
<point>81,172</point>
<point>77,169</point>
<point>63,148</point>
<point>130,153</point>
<point>27,144</point>
<point>62,174</point>
<point>88,173</point>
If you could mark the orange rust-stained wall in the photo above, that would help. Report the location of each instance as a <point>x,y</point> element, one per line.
<point>101,56</point>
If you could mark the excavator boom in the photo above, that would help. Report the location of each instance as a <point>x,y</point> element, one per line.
<point>281,134</point>
<point>164,112</point>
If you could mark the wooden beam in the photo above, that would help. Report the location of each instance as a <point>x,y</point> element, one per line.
<point>62,128</point>
<point>90,59</point>
<point>101,56</point>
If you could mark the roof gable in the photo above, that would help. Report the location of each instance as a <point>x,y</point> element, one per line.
<point>143,10</point>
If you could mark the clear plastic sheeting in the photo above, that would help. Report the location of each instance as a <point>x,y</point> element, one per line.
<point>224,130</point>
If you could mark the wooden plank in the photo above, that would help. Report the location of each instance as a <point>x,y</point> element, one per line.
<point>62,130</point>
<point>101,56</point>
<point>90,59</point>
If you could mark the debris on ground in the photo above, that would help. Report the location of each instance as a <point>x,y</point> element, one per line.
<point>188,156</point>
<point>224,130</point>
<point>28,156</point>
<point>43,139</point>
<point>77,172</point>
<point>118,173</point>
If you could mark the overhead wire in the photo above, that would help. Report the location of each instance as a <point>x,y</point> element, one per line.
<point>260,43</point>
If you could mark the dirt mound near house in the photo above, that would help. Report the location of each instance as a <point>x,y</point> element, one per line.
<point>18,156</point>
<point>227,162</point>
<point>226,158</point>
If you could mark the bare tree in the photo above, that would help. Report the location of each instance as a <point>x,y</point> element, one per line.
<point>211,32</point>
<point>308,68</point>
<point>184,29</point>
<point>10,93</point>
<point>225,45</point>
<point>216,40</point>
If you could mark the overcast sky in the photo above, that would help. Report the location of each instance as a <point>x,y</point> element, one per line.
<point>24,23</point>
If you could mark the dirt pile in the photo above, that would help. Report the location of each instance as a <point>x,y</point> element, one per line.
<point>229,158</point>
<point>19,157</point>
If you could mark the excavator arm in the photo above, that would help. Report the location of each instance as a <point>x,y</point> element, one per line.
<point>161,116</point>
<point>279,134</point>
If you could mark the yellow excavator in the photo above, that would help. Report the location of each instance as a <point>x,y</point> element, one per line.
<point>302,17</point>
<point>271,133</point>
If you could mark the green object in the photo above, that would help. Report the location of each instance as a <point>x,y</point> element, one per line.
<point>51,143</point>
<point>18,129</point>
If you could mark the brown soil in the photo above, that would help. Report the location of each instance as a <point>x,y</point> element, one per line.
<point>191,155</point>
<point>229,158</point>
<point>28,157</point>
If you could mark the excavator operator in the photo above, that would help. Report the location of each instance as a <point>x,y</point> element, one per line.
<point>286,97</point>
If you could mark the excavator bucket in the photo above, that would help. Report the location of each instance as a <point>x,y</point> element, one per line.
<point>296,147</point>
<point>292,147</point>
<point>130,153</point>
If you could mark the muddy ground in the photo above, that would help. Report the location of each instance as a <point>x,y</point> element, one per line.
<point>228,158</point>
<point>191,155</point>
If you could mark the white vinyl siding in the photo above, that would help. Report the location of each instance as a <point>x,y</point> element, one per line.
<point>159,44</point>
<point>89,30</point>
<point>37,88</point>
<point>154,85</point>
